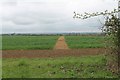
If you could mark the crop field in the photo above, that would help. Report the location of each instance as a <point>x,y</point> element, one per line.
<point>64,67</point>
<point>28,42</point>
<point>36,57</point>
<point>76,42</point>
<point>48,42</point>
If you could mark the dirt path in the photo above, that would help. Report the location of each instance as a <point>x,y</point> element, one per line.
<point>50,53</point>
<point>61,44</point>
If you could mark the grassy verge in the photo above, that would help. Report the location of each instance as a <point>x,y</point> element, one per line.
<point>28,42</point>
<point>76,42</point>
<point>64,67</point>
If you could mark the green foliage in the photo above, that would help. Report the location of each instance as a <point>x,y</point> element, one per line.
<point>85,41</point>
<point>112,30</point>
<point>28,42</point>
<point>64,67</point>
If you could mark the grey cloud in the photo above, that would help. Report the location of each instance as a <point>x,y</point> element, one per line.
<point>9,2</point>
<point>45,16</point>
<point>23,21</point>
<point>28,17</point>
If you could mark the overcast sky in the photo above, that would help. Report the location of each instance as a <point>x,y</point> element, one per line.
<point>36,16</point>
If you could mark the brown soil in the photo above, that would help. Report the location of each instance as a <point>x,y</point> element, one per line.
<point>50,53</point>
<point>61,44</point>
<point>0,53</point>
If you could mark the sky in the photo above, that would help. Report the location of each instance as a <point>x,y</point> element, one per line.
<point>49,16</point>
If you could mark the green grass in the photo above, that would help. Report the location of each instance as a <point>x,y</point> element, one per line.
<point>85,41</point>
<point>64,67</point>
<point>28,42</point>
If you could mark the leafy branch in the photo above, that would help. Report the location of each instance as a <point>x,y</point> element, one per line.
<point>89,15</point>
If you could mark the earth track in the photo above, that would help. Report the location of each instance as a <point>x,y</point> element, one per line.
<point>61,44</point>
<point>50,53</point>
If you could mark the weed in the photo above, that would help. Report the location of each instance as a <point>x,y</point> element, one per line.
<point>22,63</point>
